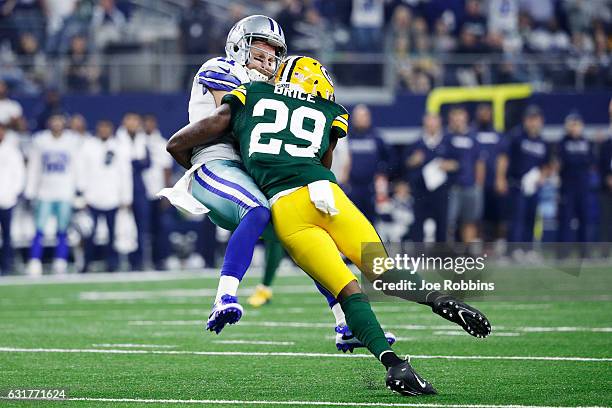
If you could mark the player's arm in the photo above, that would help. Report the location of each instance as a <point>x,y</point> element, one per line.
<point>201,132</point>
<point>329,154</point>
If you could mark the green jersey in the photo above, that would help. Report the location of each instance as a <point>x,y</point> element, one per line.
<point>283,134</point>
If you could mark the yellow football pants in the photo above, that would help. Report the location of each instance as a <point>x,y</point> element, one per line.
<point>314,239</point>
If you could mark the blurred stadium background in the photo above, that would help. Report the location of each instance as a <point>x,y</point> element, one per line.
<point>111,67</point>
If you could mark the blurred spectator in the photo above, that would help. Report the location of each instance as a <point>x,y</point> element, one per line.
<point>426,165</point>
<point>400,31</point>
<point>82,73</point>
<point>105,180</point>
<point>521,173</point>
<point>303,26</point>
<point>503,17</point>
<point>465,196</point>
<point>134,141</point>
<point>369,157</point>
<point>12,182</point>
<point>492,144</point>
<point>291,12</point>
<point>474,19</point>
<point>78,124</point>
<point>443,41</point>
<point>157,177</point>
<point>195,28</point>
<point>108,24</point>
<point>10,110</point>
<point>581,13</point>
<point>32,61</point>
<point>605,172</point>
<point>51,184</point>
<point>26,16</point>
<point>540,11</point>
<point>576,160</point>
<point>52,105</point>
<point>367,20</point>
<point>56,12</point>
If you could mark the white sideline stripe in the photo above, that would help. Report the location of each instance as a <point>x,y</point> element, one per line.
<point>461,333</point>
<point>156,294</point>
<point>296,403</point>
<point>292,354</point>
<point>130,345</point>
<point>273,343</point>
<point>527,329</point>
<point>145,276</point>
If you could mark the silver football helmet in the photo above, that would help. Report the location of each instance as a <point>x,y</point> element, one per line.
<point>255,28</point>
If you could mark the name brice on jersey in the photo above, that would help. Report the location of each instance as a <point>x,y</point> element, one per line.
<point>286,89</point>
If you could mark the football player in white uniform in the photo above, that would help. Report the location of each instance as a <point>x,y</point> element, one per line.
<point>216,177</point>
<point>51,185</point>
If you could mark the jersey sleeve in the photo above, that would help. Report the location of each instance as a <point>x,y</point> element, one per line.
<point>236,99</point>
<point>340,125</point>
<point>220,74</point>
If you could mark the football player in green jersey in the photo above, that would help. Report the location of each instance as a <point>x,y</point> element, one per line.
<point>286,134</point>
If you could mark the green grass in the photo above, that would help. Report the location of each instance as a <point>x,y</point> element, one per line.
<point>61,316</point>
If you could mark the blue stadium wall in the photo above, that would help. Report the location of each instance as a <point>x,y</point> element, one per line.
<point>171,109</point>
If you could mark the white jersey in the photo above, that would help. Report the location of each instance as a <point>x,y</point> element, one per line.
<point>219,74</point>
<point>52,167</point>
<point>12,173</point>
<point>105,174</point>
<point>154,176</point>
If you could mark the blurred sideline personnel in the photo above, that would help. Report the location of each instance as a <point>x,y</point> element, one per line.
<point>12,183</point>
<point>105,180</point>
<point>465,198</point>
<point>369,157</point>
<point>312,216</point>
<point>492,144</point>
<point>521,172</point>
<point>157,177</point>
<point>430,200</point>
<point>51,187</point>
<point>605,170</point>
<point>576,161</point>
<point>133,140</point>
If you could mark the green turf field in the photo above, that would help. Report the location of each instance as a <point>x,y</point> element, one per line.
<point>105,342</point>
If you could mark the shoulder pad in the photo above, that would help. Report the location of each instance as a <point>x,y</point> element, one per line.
<point>222,74</point>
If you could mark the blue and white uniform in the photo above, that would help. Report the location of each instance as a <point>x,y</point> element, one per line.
<point>217,179</point>
<point>51,183</point>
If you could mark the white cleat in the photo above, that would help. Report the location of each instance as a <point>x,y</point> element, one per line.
<point>35,268</point>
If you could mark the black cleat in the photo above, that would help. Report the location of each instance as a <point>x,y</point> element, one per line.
<point>470,319</point>
<point>402,379</point>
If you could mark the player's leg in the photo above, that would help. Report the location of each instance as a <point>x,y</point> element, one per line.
<point>63,213</point>
<point>274,254</point>
<point>350,229</point>
<point>42,212</point>
<point>94,214</point>
<point>236,204</point>
<point>315,252</point>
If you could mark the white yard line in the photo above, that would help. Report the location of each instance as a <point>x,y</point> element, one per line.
<point>315,325</point>
<point>264,342</point>
<point>130,345</point>
<point>302,403</point>
<point>170,293</point>
<point>292,354</point>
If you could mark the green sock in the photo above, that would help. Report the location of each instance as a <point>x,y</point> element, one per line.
<point>363,323</point>
<point>274,256</point>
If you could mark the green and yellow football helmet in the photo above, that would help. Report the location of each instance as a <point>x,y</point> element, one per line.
<point>308,74</point>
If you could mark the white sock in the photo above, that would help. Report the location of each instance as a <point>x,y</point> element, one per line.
<point>338,314</point>
<point>228,285</point>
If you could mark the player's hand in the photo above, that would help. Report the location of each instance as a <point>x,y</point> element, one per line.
<point>416,159</point>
